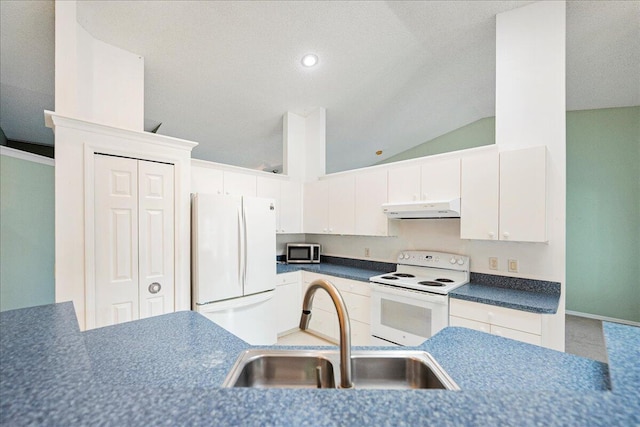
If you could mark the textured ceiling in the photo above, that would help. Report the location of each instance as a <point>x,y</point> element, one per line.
<point>392,74</point>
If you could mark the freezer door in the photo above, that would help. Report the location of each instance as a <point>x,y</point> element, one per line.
<point>259,244</point>
<point>249,318</point>
<point>216,226</point>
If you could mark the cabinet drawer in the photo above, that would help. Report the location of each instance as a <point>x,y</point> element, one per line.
<point>470,324</point>
<point>353,286</point>
<point>516,335</point>
<point>286,278</point>
<point>321,300</point>
<point>499,316</point>
<point>358,306</point>
<point>308,277</point>
<point>360,333</point>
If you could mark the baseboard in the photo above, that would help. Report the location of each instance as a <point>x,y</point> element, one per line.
<point>605,318</point>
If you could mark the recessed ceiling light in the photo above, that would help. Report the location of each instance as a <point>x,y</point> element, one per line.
<point>309,60</point>
<point>378,152</point>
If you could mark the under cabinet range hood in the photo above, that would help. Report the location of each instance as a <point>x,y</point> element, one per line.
<point>423,209</point>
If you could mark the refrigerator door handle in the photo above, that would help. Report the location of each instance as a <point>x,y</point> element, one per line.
<point>245,249</point>
<point>240,248</point>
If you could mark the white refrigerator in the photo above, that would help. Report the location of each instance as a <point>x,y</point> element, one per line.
<point>234,264</point>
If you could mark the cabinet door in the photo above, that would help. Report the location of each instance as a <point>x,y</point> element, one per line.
<point>270,188</point>
<point>287,298</point>
<point>290,207</point>
<point>239,184</point>
<point>371,193</point>
<point>479,194</point>
<point>342,214</point>
<point>156,255</point>
<point>523,214</point>
<point>116,240</point>
<point>316,207</point>
<point>206,180</point>
<point>470,324</point>
<point>440,179</point>
<point>404,184</point>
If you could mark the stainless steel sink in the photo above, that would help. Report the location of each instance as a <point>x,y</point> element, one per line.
<point>389,369</point>
<point>281,370</point>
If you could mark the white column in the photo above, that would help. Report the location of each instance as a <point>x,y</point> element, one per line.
<point>531,111</point>
<point>304,145</point>
<point>95,81</point>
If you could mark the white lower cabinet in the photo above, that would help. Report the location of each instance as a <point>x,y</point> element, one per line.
<point>287,301</point>
<point>324,319</point>
<point>505,322</point>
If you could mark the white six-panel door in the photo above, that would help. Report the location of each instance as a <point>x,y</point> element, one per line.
<point>155,247</point>
<point>134,239</point>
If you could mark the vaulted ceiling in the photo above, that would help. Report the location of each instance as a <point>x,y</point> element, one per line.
<point>391,74</point>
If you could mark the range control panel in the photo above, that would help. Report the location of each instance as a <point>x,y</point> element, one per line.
<point>434,259</point>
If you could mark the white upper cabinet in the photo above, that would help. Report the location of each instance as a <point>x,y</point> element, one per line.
<point>435,179</point>
<point>239,184</point>
<point>523,195</point>
<point>342,205</point>
<point>290,207</point>
<point>206,180</point>
<point>371,193</point>
<point>329,206</point>
<point>404,184</point>
<point>440,179</point>
<point>316,207</point>
<point>504,196</point>
<point>288,197</point>
<point>217,181</point>
<point>479,193</point>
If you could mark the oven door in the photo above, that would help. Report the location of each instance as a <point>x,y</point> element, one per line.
<point>404,316</point>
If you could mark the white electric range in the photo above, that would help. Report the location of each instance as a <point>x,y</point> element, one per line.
<point>411,304</point>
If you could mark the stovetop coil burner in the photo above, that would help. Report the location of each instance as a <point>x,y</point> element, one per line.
<point>430,283</point>
<point>403,275</point>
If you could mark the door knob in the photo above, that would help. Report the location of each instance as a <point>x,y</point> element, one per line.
<point>155,287</point>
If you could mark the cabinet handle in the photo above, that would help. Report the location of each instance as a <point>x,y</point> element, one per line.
<point>492,234</point>
<point>155,287</point>
<point>505,235</point>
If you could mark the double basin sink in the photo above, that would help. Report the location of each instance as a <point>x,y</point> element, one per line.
<point>371,369</point>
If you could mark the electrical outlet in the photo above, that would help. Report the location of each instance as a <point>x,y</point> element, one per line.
<point>366,252</point>
<point>513,265</point>
<point>493,263</point>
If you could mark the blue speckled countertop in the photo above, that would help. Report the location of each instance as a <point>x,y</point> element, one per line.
<point>344,271</point>
<point>535,302</point>
<point>535,296</point>
<point>167,370</point>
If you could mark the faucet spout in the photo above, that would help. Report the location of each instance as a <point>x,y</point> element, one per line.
<point>343,320</point>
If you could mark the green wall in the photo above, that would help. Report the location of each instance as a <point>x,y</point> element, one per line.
<point>26,233</point>
<point>603,212</point>
<point>603,205</point>
<point>476,134</point>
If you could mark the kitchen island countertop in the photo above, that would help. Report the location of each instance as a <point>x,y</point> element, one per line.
<point>167,370</point>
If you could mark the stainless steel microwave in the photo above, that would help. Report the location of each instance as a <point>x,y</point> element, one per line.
<point>303,253</point>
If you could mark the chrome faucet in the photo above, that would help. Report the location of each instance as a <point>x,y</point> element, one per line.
<point>343,320</point>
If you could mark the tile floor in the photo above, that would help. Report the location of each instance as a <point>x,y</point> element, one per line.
<point>302,338</point>
<point>583,337</point>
